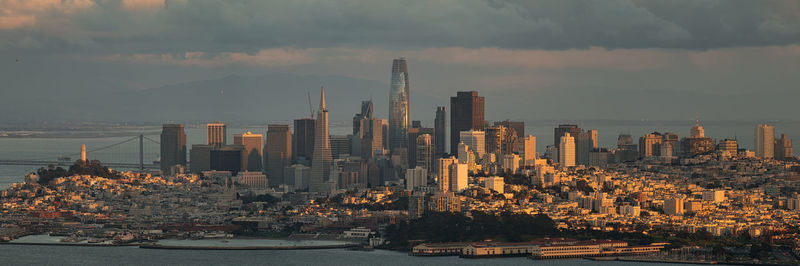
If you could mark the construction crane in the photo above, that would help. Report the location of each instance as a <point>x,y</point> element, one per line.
<point>310,107</point>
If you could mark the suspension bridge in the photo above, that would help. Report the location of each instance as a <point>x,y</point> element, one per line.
<point>126,154</point>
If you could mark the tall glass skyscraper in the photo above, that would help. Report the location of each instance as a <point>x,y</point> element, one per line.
<point>399,102</point>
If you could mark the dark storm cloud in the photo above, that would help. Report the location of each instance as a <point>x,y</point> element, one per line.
<point>145,26</point>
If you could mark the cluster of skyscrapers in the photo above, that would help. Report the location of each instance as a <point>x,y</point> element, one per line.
<point>398,149</point>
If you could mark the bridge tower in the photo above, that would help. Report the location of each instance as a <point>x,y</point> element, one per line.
<point>141,152</point>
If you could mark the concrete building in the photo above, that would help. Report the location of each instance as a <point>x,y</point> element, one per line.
<point>475,140</point>
<point>253,153</point>
<point>227,158</point>
<point>566,150</point>
<point>559,132</point>
<point>413,133</point>
<point>728,147</point>
<point>255,180</point>
<point>600,157</point>
<point>714,196</point>
<point>495,183</point>
<point>673,206</point>
<point>783,148</point>
<point>216,134</point>
<point>585,142</point>
<point>466,113</point>
<point>416,177</point>
<point>173,147</point>
<point>529,150</point>
<point>459,176</point>
<point>511,163</point>
<point>443,175</point>
<point>650,145</point>
<point>424,152</point>
<point>764,141</point>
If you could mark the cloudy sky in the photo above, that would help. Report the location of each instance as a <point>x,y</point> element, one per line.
<point>557,59</point>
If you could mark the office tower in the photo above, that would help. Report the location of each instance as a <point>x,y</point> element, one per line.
<point>216,133</point>
<point>340,146</point>
<point>303,141</point>
<point>465,155</point>
<point>173,146</point>
<point>510,163</point>
<point>650,145</point>
<point>322,158</point>
<point>584,143</point>
<point>443,172</point>
<point>369,138</point>
<point>626,150</point>
<point>459,175</point>
<point>297,176</point>
<point>765,141</point>
<point>466,113</point>
<point>495,137</point>
<point>439,126</point>
<point>475,140</point>
<point>714,196</point>
<point>566,150</point>
<point>279,152</point>
<point>227,158</point>
<point>416,177</point>
<point>558,132</point>
<point>673,206</point>
<point>424,152</point>
<point>200,158</point>
<point>599,157</point>
<point>673,140</point>
<point>516,127</point>
<point>413,133</point>
<point>366,112</point>
<point>351,173</point>
<point>529,150</point>
<point>399,103</point>
<point>253,153</point>
<point>783,148</point>
<point>693,146</point>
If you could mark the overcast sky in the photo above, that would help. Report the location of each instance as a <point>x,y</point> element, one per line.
<point>601,54</point>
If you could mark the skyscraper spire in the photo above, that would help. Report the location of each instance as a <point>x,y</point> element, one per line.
<point>322,106</point>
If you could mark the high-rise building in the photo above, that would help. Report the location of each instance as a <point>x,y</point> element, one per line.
<point>370,137</point>
<point>529,150</point>
<point>227,158</point>
<point>728,147</point>
<point>466,113</point>
<point>416,177</point>
<point>322,158</point>
<point>340,145</point>
<point>495,137</point>
<point>783,148</point>
<point>443,172</point>
<point>173,146</point>
<point>413,133</point>
<point>366,112</point>
<point>439,126</point>
<point>200,158</point>
<point>475,141</point>
<point>279,152</point>
<point>599,157</point>
<point>459,175</point>
<point>626,151</point>
<point>424,151</point>
<point>495,183</point>
<point>558,132</point>
<point>303,141</point>
<point>216,133</point>
<point>253,153</point>
<point>566,150</point>
<point>650,145</point>
<point>585,142</point>
<point>399,103</point>
<point>516,127</point>
<point>765,141</point>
